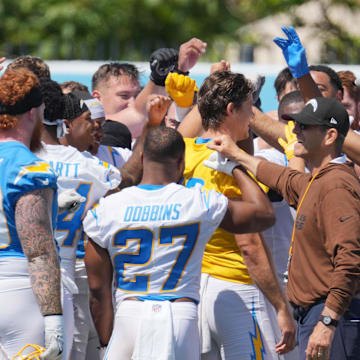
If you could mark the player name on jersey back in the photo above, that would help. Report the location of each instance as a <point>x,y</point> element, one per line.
<point>152,212</point>
<point>155,236</point>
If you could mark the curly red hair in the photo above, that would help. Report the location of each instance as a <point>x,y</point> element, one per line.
<point>14,85</point>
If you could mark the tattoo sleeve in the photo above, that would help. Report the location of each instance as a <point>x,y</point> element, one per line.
<point>34,227</point>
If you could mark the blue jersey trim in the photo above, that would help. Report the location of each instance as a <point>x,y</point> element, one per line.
<point>12,254</point>
<point>201,140</point>
<point>162,298</point>
<point>150,187</point>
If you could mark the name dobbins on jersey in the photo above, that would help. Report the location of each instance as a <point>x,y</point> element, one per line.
<point>152,213</point>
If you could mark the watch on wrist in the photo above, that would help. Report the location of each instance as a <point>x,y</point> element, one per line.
<point>328,321</point>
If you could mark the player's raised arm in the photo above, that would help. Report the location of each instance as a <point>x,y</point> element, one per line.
<point>100,274</point>
<point>131,172</point>
<point>254,212</point>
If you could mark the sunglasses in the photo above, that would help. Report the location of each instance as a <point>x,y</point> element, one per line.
<point>305,126</point>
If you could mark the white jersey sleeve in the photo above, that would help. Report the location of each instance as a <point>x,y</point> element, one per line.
<point>273,155</point>
<point>115,156</point>
<point>278,236</point>
<point>156,237</point>
<point>92,224</point>
<point>86,174</point>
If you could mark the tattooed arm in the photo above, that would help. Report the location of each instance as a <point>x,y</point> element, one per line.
<point>34,227</point>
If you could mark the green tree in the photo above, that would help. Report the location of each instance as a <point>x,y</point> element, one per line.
<point>97,29</point>
<point>132,29</point>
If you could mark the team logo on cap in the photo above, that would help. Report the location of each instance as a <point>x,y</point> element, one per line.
<point>333,121</point>
<point>314,104</point>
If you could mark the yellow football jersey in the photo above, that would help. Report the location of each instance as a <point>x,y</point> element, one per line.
<point>222,257</point>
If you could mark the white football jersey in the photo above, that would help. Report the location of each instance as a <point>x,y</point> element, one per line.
<point>155,236</point>
<point>84,173</point>
<point>114,155</point>
<point>278,236</point>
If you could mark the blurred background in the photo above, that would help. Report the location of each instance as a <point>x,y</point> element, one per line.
<point>240,31</point>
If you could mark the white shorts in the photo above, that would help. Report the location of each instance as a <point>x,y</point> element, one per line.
<point>21,321</point>
<point>235,322</point>
<point>69,288</point>
<point>126,326</point>
<point>86,339</point>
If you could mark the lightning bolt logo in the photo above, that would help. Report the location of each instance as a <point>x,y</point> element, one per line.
<point>113,152</point>
<point>104,163</point>
<point>37,167</point>
<point>256,340</point>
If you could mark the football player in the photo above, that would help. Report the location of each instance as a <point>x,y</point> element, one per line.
<point>150,238</point>
<point>238,325</point>
<point>30,296</point>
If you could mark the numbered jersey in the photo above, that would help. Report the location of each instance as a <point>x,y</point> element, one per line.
<point>155,236</point>
<point>113,155</point>
<point>222,257</point>
<point>86,174</point>
<point>21,172</point>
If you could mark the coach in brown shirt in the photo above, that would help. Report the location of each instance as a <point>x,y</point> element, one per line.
<point>324,266</point>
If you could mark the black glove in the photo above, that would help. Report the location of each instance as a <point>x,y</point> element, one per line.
<point>162,62</point>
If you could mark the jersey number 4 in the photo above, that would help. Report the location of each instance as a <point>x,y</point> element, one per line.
<point>71,222</point>
<point>146,239</point>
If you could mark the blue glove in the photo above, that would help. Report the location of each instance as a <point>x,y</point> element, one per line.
<point>293,51</point>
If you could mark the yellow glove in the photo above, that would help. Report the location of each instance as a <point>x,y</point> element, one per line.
<point>290,142</point>
<point>181,88</point>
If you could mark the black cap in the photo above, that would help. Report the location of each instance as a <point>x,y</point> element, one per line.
<point>323,111</point>
<point>116,134</point>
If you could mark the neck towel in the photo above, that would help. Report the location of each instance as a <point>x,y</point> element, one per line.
<point>155,337</point>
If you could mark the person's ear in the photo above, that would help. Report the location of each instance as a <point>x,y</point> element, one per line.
<point>339,95</point>
<point>331,136</point>
<point>96,94</point>
<point>230,107</point>
<point>32,114</point>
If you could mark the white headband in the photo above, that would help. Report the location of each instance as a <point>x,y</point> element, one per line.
<point>95,107</point>
<point>60,127</point>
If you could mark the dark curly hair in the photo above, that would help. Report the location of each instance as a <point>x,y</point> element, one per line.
<point>53,99</point>
<point>218,90</point>
<point>69,86</point>
<point>33,63</point>
<point>14,85</point>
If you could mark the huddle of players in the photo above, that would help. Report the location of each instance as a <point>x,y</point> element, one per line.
<point>157,283</point>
